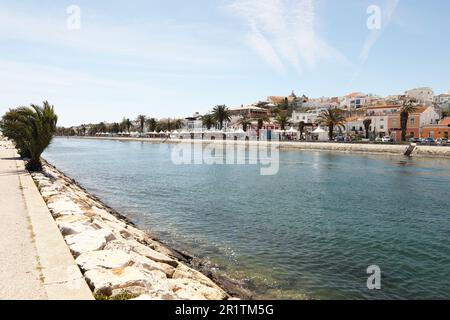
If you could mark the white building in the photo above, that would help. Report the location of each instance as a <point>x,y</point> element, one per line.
<point>422,95</point>
<point>307,117</point>
<point>382,110</point>
<point>379,116</point>
<point>355,126</point>
<point>379,125</point>
<point>194,122</point>
<point>355,100</point>
<point>429,116</point>
<point>442,98</point>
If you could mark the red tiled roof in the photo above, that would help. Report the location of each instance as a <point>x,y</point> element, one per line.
<point>445,121</point>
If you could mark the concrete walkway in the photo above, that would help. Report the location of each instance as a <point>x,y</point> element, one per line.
<point>20,275</point>
<point>35,262</point>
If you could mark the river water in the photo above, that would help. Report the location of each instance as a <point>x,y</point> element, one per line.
<point>310,231</point>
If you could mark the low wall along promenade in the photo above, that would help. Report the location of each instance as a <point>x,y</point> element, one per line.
<point>420,151</point>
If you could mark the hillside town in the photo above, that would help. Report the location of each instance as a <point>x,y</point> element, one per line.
<point>417,115</point>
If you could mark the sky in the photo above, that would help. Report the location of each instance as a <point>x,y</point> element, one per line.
<point>115,58</point>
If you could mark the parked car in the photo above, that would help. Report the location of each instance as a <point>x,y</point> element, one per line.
<point>428,141</point>
<point>339,139</point>
<point>387,139</point>
<point>378,139</point>
<point>415,140</point>
<point>442,142</point>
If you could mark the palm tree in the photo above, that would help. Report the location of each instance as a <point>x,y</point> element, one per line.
<point>409,106</point>
<point>301,128</point>
<point>178,124</point>
<point>32,130</point>
<point>114,128</point>
<point>141,119</point>
<point>101,127</point>
<point>282,120</point>
<point>126,124</point>
<point>245,122</point>
<point>208,121</point>
<point>221,114</point>
<point>332,118</point>
<point>261,120</point>
<point>367,122</point>
<point>151,124</point>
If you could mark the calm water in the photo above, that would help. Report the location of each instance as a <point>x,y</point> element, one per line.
<point>312,230</point>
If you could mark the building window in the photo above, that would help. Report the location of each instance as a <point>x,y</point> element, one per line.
<point>412,121</point>
<point>381,127</point>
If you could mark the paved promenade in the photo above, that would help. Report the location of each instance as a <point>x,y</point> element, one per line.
<point>20,275</point>
<point>35,262</point>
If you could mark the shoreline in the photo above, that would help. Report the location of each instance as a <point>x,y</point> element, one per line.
<point>186,276</point>
<point>421,151</point>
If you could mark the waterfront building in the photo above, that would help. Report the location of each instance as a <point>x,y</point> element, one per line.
<point>379,125</point>
<point>250,111</point>
<point>416,121</point>
<point>355,126</point>
<point>308,117</point>
<point>194,122</point>
<point>436,131</point>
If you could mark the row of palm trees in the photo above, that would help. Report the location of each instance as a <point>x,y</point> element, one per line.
<point>334,118</point>
<point>31,129</point>
<point>221,114</point>
<point>141,123</point>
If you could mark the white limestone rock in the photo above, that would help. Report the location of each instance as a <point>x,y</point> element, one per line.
<point>68,229</point>
<point>148,264</point>
<point>64,207</point>
<point>88,241</point>
<point>132,245</point>
<point>188,289</point>
<point>108,259</point>
<point>73,219</point>
<point>104,281</point>
<point>185,272</point>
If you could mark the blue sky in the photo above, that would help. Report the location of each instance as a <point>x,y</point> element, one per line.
<point>172,58</point>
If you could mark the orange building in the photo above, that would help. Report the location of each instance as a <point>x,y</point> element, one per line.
<point>395,126</point>
<point>436,131</point>
<point>424,116</point>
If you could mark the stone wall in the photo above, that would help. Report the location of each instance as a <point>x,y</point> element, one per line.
<point>117,259</point>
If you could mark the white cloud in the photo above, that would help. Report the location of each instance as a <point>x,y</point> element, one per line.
<point>163,44</point>
<point>283,33</point>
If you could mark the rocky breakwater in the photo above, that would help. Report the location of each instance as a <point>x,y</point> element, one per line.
<point>117,259</point>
